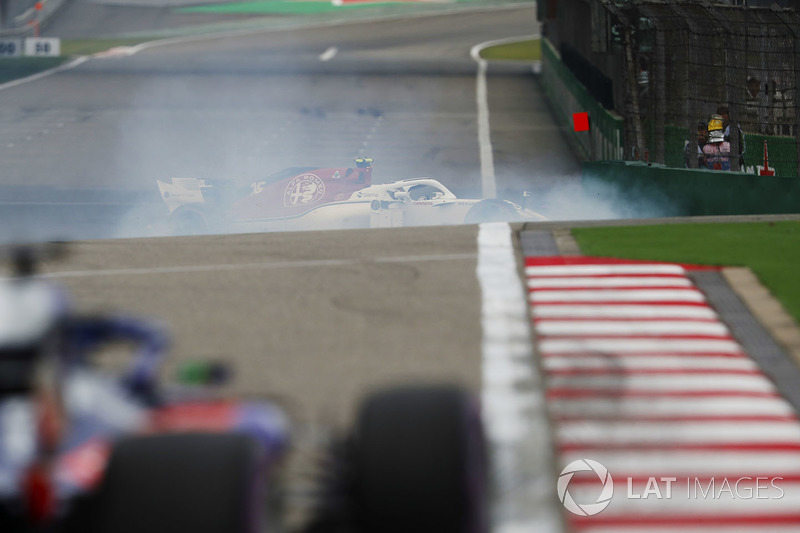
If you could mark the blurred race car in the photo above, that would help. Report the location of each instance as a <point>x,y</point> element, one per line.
<point>326,198</point>
<point>88,451</point>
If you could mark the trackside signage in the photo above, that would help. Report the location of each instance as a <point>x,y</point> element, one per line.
<point>586,488</point>
<point>41,46</point>
<point>10,47</point>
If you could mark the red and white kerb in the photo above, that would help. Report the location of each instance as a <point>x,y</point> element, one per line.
<point>644,378</point>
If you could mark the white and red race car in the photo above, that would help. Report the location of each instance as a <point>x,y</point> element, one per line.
<point>326,198</point>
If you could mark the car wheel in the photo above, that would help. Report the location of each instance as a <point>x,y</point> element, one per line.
<point>198,483</point>
<point>419,462</point>
<point>188,221</point>
<point>491,210</point>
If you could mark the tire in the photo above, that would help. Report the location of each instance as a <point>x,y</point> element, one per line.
<point>188,221</point>
<point>198,483</point>
<point>491,210</point>
<point>419,462</point>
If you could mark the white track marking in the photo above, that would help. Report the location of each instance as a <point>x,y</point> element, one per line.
<point>512,396</point>
<point>612,327</point>
<point>663,383</point>
<point>66,66</point>
<point>604,270</point>
<point>488,181</point>
<point>329,54</point>
<point>669,407</point>
<point>605,432</point>
<point>581,282</point>
<point>693,312</point>
<point>698,346</point>
<point>654,295</point>
<point>657,362</point>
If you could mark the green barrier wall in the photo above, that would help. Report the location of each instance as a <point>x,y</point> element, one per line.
<point>690,192</point>
<point>567,96</point>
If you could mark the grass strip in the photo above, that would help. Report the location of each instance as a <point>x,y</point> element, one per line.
<point>281,7</point>
<point>12,68</point>
<point>530,50</point>
<point>770,249</point>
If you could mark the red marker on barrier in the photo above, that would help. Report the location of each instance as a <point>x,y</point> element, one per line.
<point>766,171</point>
<point>580,121</point>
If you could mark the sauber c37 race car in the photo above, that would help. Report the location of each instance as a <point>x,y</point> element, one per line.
<point>326,198</point>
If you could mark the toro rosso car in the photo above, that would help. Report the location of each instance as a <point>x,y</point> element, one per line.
<point>325,198</point>
<point>87,451</point>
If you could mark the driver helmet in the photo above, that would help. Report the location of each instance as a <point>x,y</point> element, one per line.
<point>363,162</point>
<point>30,313</point>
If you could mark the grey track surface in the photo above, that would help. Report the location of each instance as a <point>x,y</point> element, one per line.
<point>312,318</point>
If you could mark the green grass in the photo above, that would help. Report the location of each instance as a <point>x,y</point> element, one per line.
<point>12,68</point>
<point>278,7</point>
<point>770,249</point>
<point>523,51</point>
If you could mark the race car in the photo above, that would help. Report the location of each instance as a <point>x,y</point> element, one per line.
<point>326,198</point>
<point>84,450</point>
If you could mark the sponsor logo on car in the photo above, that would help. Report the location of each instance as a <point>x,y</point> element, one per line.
<point>303,190</point>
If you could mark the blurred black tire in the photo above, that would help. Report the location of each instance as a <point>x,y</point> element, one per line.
<point>420,462</point>
<point>188,220</point>
<point>192,483</point>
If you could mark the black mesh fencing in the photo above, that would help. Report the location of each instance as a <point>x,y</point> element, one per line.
<point>684,61</point>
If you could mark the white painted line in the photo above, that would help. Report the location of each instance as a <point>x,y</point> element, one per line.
<point>671,406</point>
<point>603,270</point>
<point>699,346</point>
<point>605,432</point>
<point>663,382</point>
<point>512,393</point>
<point>488,181</point>
<point>693,312</point>
<point>657,362</point>
<point>583,282</point>
<point>654,295</point>
<point>329,54</point>
<point>252,266</point>
<point>72,64</point>
<point>613,327</point>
